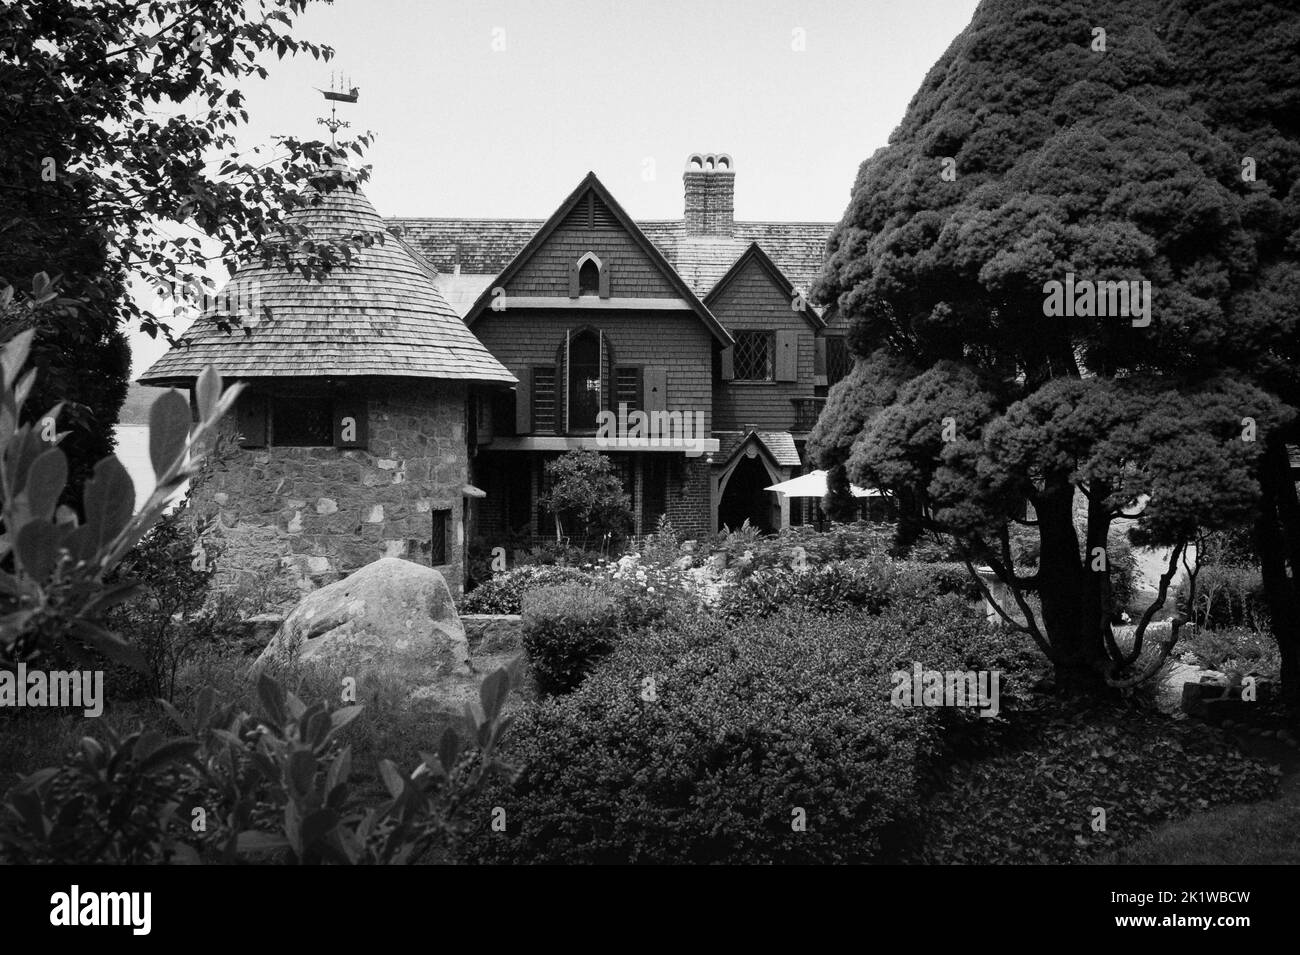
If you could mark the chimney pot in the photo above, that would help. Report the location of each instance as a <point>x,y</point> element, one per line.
<point>710,187</point>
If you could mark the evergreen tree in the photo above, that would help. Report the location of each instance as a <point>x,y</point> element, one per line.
<point>1052,148</point>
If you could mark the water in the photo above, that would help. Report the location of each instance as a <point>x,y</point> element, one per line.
<point>133,452</point>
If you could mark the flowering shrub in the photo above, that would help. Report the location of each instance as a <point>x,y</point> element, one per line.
<point>504,592</point>
<point>647,592</point>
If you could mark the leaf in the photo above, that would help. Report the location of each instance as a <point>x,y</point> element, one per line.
<point>494,692</point>
<point>271,695</point>
<point>37,548</point>
<point>109,505</point>
<point>302,771</point>
<point>449,749</point>
<point>172,751</point>
<point>392,777</point>
<point>14,354</point>
<point>340,770</point>
<point>343,716</point>
<point>207,391</point>
<point>45,482</point>
<point>169,427</point>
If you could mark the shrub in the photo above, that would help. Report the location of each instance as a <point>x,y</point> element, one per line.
<point>647,592</point>
<point>844,585</point>
<point>566,629</point>
<point>933,580</point>
<point>159,618</point>
<point>1235,650</point>
<point>703,743</point>
<point>274,786</point>
<point>504,592</point>
<point>1226,596</point>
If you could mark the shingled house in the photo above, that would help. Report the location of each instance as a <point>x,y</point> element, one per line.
<point>702,318</point>
<point>358,422</point>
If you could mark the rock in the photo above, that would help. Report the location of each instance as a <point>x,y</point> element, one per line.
<point>493,633</point>
<point>390,613</point>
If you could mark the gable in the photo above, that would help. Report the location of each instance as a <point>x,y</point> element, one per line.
<point>590,226</point>
<point>544,273</point>
<point>754,291</point>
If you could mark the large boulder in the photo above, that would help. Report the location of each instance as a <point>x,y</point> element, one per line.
<point>390,613</point>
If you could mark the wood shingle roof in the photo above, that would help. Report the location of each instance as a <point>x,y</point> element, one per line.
<point>382,315</point>
<point>487,246</point>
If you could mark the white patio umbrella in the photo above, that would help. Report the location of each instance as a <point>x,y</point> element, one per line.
<point>813,484</point>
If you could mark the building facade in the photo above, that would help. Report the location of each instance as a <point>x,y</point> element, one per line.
<point>700,324</point>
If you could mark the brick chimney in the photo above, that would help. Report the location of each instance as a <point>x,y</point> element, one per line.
<point>710,180</point>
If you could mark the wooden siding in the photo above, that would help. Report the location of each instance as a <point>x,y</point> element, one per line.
<point>754,301</point>
<point>677,342</point>
<point>631,273</point>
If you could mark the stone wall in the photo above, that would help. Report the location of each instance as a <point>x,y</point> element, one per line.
<point>314,515</point>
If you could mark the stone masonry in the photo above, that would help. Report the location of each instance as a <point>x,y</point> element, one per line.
<point>317,514</point>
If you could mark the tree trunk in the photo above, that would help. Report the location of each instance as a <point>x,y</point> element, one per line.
<point>1069,624</point>
<point>1277,539</point>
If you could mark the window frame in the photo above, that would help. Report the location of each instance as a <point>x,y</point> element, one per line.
<point>769,335</point>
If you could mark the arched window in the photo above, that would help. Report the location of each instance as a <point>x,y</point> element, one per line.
<point>589,278</point>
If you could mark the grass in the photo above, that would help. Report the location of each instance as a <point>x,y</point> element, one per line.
<point>1262,833</point>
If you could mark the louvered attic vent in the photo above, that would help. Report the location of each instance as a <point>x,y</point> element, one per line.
<point>590,213</point>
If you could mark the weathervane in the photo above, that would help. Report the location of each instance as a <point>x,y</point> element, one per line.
<point>337,96</point>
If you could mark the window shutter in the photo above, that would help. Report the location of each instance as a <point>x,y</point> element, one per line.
<point>573,280</point>
<point>523,400</point>
<point>250,416</point>
<point>728,363</point>
<point>604,280</point>
<point>787,356</point>
<point>819,361</point>
<point>654,384</point>
<point>351,428</point>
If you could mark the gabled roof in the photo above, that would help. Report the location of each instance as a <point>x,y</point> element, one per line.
<point>756,255</point>
<point>779,446</point>
<point>382,315</point>
<point>590,184</point>
<point>487,246</point>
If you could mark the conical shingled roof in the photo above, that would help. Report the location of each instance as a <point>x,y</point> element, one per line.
<point>381,316</point>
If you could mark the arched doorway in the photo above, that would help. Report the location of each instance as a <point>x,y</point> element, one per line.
<point>743,497</point>
<point>584,381</point>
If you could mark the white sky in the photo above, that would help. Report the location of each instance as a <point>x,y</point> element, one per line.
<point>467,130</point>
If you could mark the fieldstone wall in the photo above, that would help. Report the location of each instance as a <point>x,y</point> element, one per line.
<point>315,515</point>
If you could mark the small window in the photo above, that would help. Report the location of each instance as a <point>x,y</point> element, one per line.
<point>302,421</point>
<point>438,541</point>
<point>589,278</point>
<point>754,356</point>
